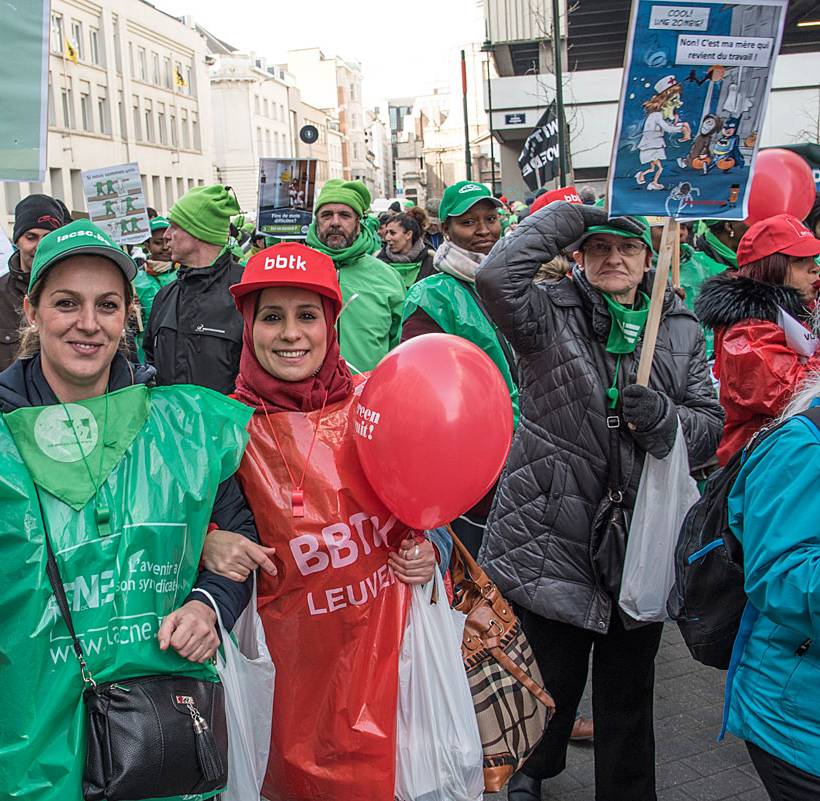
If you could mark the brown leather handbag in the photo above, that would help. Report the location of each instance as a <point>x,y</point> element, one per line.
<point>511,705</point>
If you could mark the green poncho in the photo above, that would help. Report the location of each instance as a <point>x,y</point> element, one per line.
<point>157,479</point>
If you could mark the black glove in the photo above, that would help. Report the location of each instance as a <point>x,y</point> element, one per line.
<point>644,408</point>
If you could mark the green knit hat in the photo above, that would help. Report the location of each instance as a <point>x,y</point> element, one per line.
<point>351,193</point>
<point>205,213</point>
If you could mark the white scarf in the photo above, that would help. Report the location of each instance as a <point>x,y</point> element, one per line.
<point>455,261</point>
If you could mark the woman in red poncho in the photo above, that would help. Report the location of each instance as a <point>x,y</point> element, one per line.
<point>763,314</point>
<point>334,611</point>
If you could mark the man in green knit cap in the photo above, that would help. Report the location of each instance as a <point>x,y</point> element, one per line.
<point>194,333</point>
<point>372,291</point>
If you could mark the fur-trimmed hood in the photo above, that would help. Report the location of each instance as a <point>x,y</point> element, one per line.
<point>727,299</point>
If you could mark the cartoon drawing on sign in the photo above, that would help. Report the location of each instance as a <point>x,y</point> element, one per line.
<point>696,83</point>
<point>700,154</point>
<point>661,118</point>
<point>726,148</point>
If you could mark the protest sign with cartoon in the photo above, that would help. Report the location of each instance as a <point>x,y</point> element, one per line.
<point>696,80</point>
<point>116,202</point>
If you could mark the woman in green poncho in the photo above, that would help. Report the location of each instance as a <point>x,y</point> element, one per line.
<point>124,481</point>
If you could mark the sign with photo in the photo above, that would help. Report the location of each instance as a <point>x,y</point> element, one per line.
<point>286,193</point>
<point>696,83</point>
<point>116,202</point>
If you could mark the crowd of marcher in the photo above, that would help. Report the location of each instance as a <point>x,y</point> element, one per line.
<point>180,418</point>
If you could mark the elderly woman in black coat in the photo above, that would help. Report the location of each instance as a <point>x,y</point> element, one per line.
<point>578,454</point>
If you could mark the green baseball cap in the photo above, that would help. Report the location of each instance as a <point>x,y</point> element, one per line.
<point>461,197</point>
<point>645,236</point>
<point>78,237</point>
<point>159,223</point>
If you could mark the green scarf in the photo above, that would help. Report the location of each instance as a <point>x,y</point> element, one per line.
<point>70,449</point>
<point>627,324</point>
<point>342,257</point>
<point>723,251</point>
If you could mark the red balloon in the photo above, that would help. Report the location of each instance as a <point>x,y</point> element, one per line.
<point>782,184</point>
<point>433,428</point>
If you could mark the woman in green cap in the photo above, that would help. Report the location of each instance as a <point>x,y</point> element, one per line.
<point>158,270</point>
<point>123,482</point>
<point>447,302</point>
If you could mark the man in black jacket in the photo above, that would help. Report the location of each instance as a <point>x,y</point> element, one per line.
<point>194,334</point>
<point>34,217</point>
<point>552,543</point>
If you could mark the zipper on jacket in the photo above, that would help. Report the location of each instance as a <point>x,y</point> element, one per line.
<point>803,648</point>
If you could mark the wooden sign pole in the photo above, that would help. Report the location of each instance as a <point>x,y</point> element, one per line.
<point>675,225</point>
<point>670,243</point>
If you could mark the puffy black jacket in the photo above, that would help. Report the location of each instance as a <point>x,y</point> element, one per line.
<point>194,334</point>
<point>13,287</point>
<point>537,546</point>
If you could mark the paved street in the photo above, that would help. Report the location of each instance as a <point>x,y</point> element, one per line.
<point>692,766</point>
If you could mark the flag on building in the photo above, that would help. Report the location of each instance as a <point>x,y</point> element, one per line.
<point>71,51</point>
<point>540,155</point>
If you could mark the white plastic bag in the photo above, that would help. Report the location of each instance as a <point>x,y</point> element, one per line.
<point>247,674</point>
<point>665,494</point>
<point>439,755</point>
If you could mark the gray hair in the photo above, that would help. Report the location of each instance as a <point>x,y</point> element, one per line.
<point>802,399</point>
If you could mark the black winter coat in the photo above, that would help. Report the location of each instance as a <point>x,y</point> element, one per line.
<point>537,545</point>
<point>13,287</point>
<point>194,334</point>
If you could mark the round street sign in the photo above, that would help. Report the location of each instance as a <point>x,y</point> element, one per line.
<point>308,134</point>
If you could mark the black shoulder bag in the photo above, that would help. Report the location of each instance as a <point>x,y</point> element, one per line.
<point>151,736</point>
<point>610,527</point>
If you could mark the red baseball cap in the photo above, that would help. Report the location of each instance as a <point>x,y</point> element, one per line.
<point>289,264</point>
<point>782,233</point>
<point>566,193</point>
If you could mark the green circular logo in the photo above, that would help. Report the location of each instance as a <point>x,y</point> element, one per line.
<point>66,433</point>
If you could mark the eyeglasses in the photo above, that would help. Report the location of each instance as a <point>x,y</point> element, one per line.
<point>628,247</point>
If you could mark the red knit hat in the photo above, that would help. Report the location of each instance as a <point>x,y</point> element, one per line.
<point>566,193</point>
<point>782,233</point>
<point>289,264</point>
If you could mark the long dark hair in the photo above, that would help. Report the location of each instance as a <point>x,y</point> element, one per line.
<point>408,224</point>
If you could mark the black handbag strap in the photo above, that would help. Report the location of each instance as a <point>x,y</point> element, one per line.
<point>56,580</point>
<point>613,424</point>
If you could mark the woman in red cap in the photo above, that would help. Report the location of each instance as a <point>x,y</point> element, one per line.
<point>334,613</point>
<point>763,317</point>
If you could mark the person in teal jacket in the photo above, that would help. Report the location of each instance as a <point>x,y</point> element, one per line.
<point>373,292</point>
<point>773,696</point>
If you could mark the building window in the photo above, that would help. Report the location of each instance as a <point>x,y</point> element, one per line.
<point>169,192</point>
<point>149,121</point>
<point>189,80</point>
<point>86,117</point>
<point>155,77</point>
<point>180,188</point>
<point>52,110</point>
<point>163,134</point>
<point>167,79</point>
<point>142,64</point>
<point>259,150</point>
<point>103,113</point>
<point>121,114</point>
<point>117,48</point>
<point>266,109</point>
<point>135,109</point>
<point>57,34</point>
<point>268,149</point>
<point>186,134</point>
<point>172,124</point>
<point>77,38</point>
<point>68,107</point>
<point>94,46</point>
<point>256,107</point>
